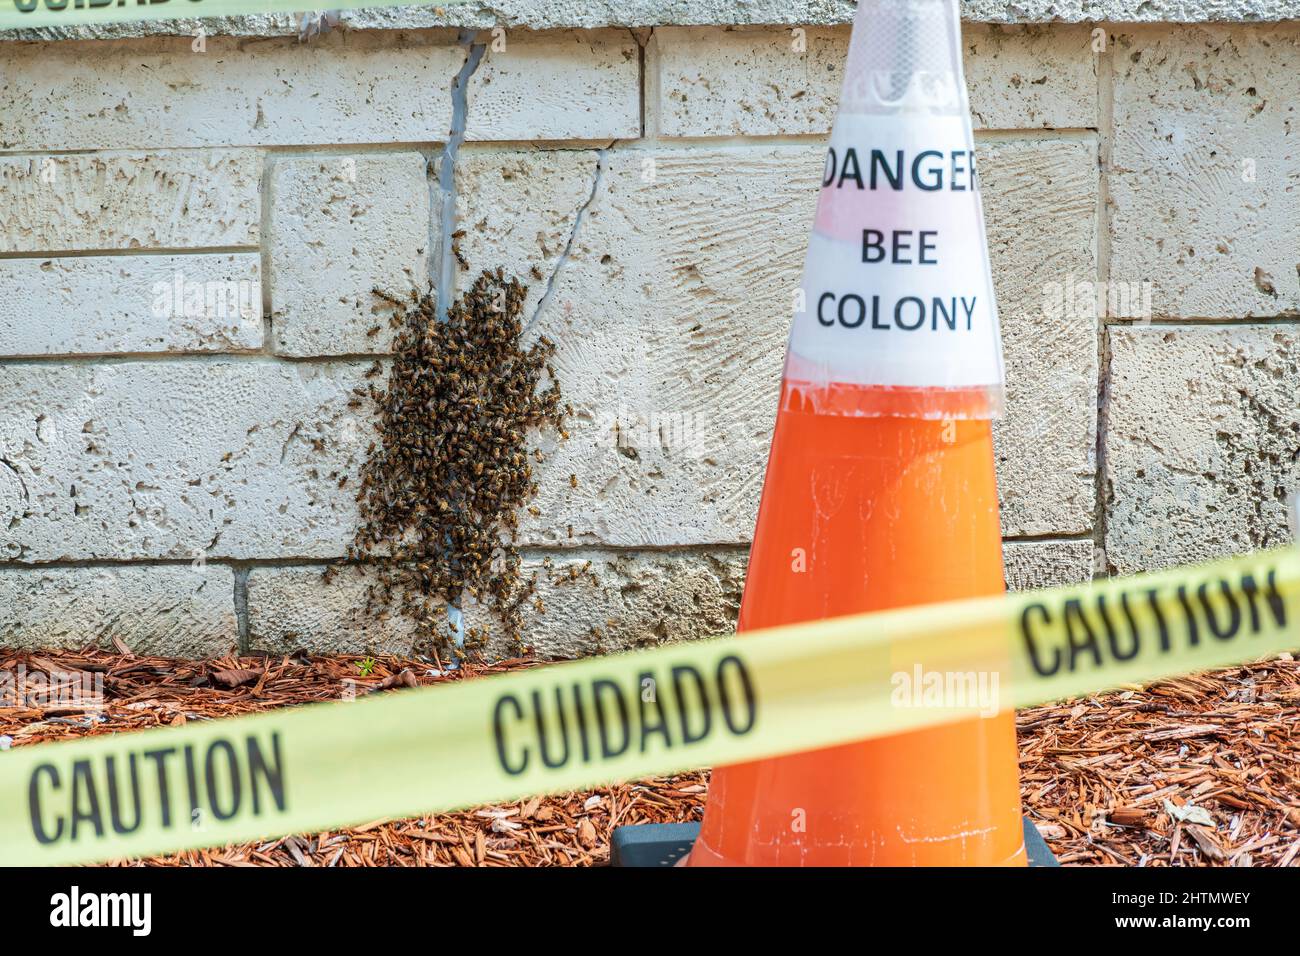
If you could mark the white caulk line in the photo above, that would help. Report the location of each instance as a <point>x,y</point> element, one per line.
<point>447,168</point>
<point>602,163</point>
<point>446,258</point>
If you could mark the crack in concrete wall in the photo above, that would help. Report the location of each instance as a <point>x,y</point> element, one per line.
<point>445,280</point>
<point>602,163</point>
<point>10,465</point>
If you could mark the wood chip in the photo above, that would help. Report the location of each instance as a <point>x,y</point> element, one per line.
<point>1196,743</point>
<point>235,677</point>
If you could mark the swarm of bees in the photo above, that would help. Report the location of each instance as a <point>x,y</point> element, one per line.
<point>442,485</point>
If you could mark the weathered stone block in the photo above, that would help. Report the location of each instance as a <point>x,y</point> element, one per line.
<point>105,304</point>
<point>707,81</point>
<point>342,226</point>
<point>1202,442</point>
<point>133,201</point>
<point>518,208</point>
<point>169,610</point>
<point>1040,210</point>
<point>561,85</point>
<point>341,88</point>
<point>670,316</point>
<point>1204,167</point>
<point>359,88</point>
<point>182,459</point>
<point>590,603</point>
<point>1031,565</point>
<point>671,312</point>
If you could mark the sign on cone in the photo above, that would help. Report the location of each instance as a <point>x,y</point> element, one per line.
<point>880,488</point>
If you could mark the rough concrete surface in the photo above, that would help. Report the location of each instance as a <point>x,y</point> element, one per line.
<point>554,86</point>
<point>518,208</point>
<point>590,602</point>
<point>344,88</point>
<point>1030,565</point>
<point>343,225</point>
<point>1039,208</point>
<point>654,188</point>
<point>139,460</point>
<point>1205,165</point>
<point>1203,442</point>
<point>547,14</point>
<point>755,82</point>
<point>88,305</point>
<point>670,318</point>
<point>129,201</point>
<point>179,610</point>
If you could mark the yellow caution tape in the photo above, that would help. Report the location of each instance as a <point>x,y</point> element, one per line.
<point>579,725</point>
<point>19,14</point>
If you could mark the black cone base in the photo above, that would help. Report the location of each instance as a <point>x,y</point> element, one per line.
<point>663,844</point>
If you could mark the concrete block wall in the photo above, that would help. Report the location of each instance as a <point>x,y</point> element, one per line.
<point>188,240</point>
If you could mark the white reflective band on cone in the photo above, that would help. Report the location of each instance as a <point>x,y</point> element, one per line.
<point>896,288</point>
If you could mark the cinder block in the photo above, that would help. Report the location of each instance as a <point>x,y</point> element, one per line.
<point>1204,167</point>
<point>571,84</point>
<point>593,602</point>
<point>140,460</point>
<point>755,81</point>
<point>106,304</point>
<point>342,226</point>
<point>1031,565</point>
<point>1202,442</point>
<point>134,201</point>
<point>186,611</point>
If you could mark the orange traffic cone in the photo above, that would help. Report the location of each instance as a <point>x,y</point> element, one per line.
<point>880,488</point>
